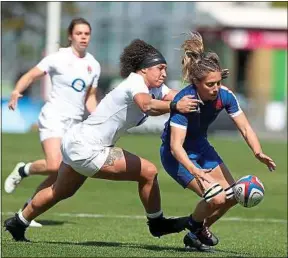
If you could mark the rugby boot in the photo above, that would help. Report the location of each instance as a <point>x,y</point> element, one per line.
<point>16,228</point>
<point>161,226</point>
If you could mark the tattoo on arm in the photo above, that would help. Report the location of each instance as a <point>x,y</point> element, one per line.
<point>114,154</point>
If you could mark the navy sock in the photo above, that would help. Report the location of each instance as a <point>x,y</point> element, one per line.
<point>194,225</point>
<point>22,172</point>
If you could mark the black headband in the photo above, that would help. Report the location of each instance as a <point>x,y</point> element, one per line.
<point>152,60</point>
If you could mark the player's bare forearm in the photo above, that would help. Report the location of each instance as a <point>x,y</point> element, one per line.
<point>26,80</point>
<point>23,83</point>
<point>180,154</point>
<point>248,133</point>
<point>252,140</point>
<point>177,139</point>
<point>158,107</point>
<point>151,107</point>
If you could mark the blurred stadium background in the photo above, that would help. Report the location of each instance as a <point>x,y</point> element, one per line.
<point>250,37</point>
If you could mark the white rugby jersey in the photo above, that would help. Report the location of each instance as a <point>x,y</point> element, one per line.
<point>70,76</point>
<point>117,112</point>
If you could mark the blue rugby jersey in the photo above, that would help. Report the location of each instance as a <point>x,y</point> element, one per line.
<point>197,123</point>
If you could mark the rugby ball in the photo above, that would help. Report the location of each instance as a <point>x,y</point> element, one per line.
<point>249,191</point>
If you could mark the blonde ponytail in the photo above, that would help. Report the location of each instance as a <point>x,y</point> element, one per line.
<point>195,62</point>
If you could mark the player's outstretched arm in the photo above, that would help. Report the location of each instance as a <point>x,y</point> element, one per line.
<point>149,106</point>
<point>155,107</point>
<point>22,84</point>
<point>252,140</point>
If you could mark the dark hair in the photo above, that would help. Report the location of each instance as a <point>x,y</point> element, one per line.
<point>196,63</point>
<point>72,25</point>
<point>133,56</point>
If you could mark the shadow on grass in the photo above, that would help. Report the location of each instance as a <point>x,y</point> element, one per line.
<point>147,247</point>
<point>45,222</point>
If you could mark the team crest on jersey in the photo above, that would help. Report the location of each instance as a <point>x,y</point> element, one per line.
<point>89,69</point>
<point>218,104</point>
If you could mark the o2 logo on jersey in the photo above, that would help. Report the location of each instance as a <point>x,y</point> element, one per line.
<point>78,85</point>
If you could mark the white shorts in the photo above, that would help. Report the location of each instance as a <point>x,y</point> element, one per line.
<point>53,125</point>
<point>83,155</point>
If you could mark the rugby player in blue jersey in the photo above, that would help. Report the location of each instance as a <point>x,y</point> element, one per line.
<point>187,155</point>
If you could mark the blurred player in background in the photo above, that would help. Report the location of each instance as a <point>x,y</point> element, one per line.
<point>186,153</point>
<point>74,75</point>
<point>88,148</point>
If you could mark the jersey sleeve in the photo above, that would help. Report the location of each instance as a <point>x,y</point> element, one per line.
<point>231,104</point>
<point>138,88</point>
<point>46,64</point>
<point>179,120</point>
<point>164,90</point>
<point>96,76</point>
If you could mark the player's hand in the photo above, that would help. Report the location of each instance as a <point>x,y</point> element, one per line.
<point>266,160</point>
<point>224,73</point>
<point>15,95</point>
<point>203,174</point>
<point>203,179</point>
<point>187,104</point>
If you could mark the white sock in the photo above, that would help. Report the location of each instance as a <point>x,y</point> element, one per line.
<point>154,215</point>
<point>27,168</point>
<point>26,222</point>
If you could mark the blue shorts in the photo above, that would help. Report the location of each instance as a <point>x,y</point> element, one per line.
<point>208,158</point>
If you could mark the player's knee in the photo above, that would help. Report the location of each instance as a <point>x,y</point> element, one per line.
<point>215,196</point>
<point>150,172</point>
<point>218,200</point>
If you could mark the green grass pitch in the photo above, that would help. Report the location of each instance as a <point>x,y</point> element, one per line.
<point>122,232</point>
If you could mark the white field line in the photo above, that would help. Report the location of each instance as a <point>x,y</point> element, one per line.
<point>91,215</point>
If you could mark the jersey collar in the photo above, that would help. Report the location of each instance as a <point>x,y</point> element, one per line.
<point>200,100</point>
<point>198,96</point>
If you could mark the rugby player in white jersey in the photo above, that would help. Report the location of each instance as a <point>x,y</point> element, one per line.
<point>74,75</point>
<point>88,147</point>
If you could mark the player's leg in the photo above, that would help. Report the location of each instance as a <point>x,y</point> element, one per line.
<point>210,202</point>
<point>53,158</point>
<point>222,175</point>
<point>212,199</point>
<point>67,183</point>
<point>50,167</point>
<point>122,165</point>
<point>51,131</point>
<point>51,149</point>
<point>206,206</point>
